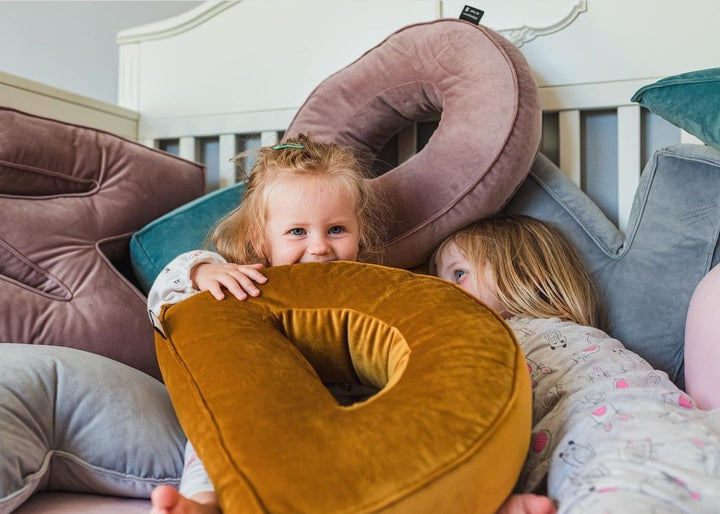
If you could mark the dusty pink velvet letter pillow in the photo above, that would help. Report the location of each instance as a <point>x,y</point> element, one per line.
<point>70,198</point>
<point>482,150</point>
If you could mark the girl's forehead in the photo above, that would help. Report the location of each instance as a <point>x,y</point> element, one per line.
<point>452,250</point>
<point>447,255</point>
<point>310,184</point>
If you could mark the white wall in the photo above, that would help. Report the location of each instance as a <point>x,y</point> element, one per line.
<point>71,44</point>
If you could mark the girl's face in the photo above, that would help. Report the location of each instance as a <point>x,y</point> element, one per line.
<point>310,222</point>
<point>478,281</point>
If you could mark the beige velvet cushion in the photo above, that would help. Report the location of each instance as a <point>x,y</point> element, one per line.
<point>448,431</point>
<point>482,150</point>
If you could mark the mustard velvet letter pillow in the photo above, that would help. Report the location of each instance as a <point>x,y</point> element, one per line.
<point>448,430</point>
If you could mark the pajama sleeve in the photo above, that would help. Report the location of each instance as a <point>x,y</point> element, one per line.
<point>194,478</point>
<point>173,284</point>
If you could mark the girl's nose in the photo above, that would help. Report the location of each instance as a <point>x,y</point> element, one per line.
<point>319,246</point>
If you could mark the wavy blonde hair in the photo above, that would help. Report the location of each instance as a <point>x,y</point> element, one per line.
<point>537,271</point>
<point>240,236</point>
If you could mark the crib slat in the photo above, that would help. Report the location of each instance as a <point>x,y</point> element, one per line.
<point>407,142</point>
<point>269,138</point>
<point>227,149</point>
<point>569,134</point>
<point>188,148</point>
<point>628,125</point>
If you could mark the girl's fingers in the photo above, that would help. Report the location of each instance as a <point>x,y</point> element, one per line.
<point>216,290</point>
<point>244,284</point>
<point>236,290</point>
<point>239,280</point>
<point>253,272</point>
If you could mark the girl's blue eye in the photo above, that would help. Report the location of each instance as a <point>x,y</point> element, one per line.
<point>297,231</point>
<point>459,274</point>
<point>337,229</point>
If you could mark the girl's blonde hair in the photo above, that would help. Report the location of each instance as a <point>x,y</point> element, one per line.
<point>537,271</point>
<point>240,236</point>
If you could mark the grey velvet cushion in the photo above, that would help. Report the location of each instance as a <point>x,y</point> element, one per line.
<point>75,421</point>
<point>645,278</point>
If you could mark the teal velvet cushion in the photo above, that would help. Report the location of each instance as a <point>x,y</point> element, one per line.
<point>689,100</point>
<point>179,231</point>
<point>74,421</point>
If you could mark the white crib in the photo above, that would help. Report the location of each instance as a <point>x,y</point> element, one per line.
<point>226,76</point>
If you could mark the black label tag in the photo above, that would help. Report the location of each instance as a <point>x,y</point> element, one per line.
<point>471,14</point>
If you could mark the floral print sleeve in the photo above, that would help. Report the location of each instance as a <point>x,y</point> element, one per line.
<point>610,433</point>
<point>173,284</point>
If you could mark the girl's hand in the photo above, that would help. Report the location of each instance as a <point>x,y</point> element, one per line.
<point>239,279</point>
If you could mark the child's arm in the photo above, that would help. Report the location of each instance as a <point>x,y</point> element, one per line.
<point>196,494</point>
<point>173,284</point>
<point>702,342</point>
<point>200,270</point>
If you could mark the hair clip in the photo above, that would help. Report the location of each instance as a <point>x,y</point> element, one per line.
<point>288,145</point>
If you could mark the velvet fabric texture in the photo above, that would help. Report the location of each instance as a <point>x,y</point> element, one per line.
<point>645,277</point>
<point>179,231</point>
<point>482,150</point>
<point>689,100</point>
<point>71,420</point>
<point>447,432</point>
<point>70,198</point>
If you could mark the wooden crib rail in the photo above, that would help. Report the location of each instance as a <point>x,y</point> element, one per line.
<point>567,140</point>
<point>42,100</point>
<point>225,71</point>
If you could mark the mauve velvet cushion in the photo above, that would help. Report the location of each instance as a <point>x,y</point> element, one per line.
<point>482,150</point>
<point>71,420</point>
<point>70,198</point>
<point>73,503</point>
<point>448,431</point>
